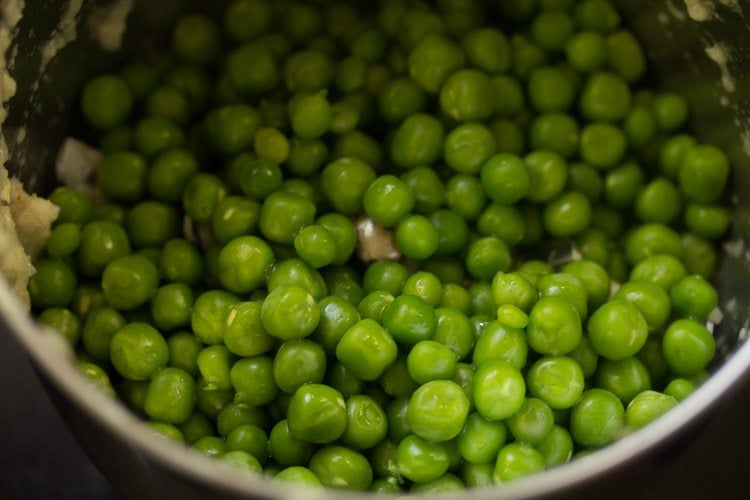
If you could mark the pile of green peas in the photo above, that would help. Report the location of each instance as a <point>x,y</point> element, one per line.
<point>557,228</point>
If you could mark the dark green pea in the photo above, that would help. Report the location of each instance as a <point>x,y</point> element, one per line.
<point>53,284</point>
<point>106,101</point>
<point>418,141</point>
<point>63,321</point>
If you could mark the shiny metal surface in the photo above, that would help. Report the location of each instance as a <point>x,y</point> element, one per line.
<point>142,467</point>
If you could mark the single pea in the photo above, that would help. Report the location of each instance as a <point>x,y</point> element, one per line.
<point>340,467</point>
<point>487,256</point>
<point>210,401</point>
<point>597,419</point>
<point>617,330</point>
<point>639,126</point>
<point>283,215</point>
<point>172,306</point>
<point>625,378</point>
<point>53,284</point>
<point>568,214</point>
<point>554,326</point>
<point>289,312</point>
<point>688,347</point>
<point>703,172</point>
<point>670,111</point>
<point>122,175</point>
<point>651,300</point>
<point>170,173</point>
<point>557,447</point>
<point>427,188</point>
<point>605,97</point>
<point>297,272</point>
<point>556,132</point>
<point>586,51</point>
<point>128,282</point>
<point>418,141</point>
<point>532,422</point>
<point>246,19</point>
<point>705,220</point>
<point>551,29</point>
<point>437,410</point>
<point>63,240</point>
<point>210,312</point>
<point>297,474</point>
<point>344,183</point>
<point>311,116</point>
<point>367,349</point>
<point>253,380</point>
<point>387,200</point>
<point>432,60</point>
<point>488,50</point>
<point>202,195</point>
<point>547,175</point>
<point>499,390</point>
<point>602,145</point>
<point>138,351</point>
<point>693,297</point>
<point>516,460</point>
<point>550,90</point>
<point>509,96</point>
<point>664,270</point>
<point>317,414</point>
<point>671,153</point>
<point>514,289</point>
<point>467,147</point>
<point>597,15</point>
<point>231,129</point>
<point>464,95</point>
<point>152,223</point>
<point>168,102</point>
<point>155,135</point>
<point>214,364</point>
<point>595,279</point>
<point>556,380</point>
<point>679,388</point>
<point>258,178</point>
<point>170,396</point>
<point>298,362</point>
<point>184,348</point>
<point>465,196</point>
<point>308,70</point>
<point>417,237</point>
<point>196,39</point>
<point>652,239</point>
<point>106,101</point>
<point>212,446</point>
<point>699,255</point>
<point>180,261</point>
<point>367,424</point>
<point>481,439</point>
<point>500,342</point>
<point>505,178</point>
<point>252,69</point>
<point>659,201</point>
<point>430,360</point>
<point>647,407</point>
<point>63,321</point>
<point>285,449</point>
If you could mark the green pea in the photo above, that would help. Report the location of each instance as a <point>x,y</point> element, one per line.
<point>688,347</point>
<point>625,55</point>
<point>138,351</point>
<point>703,173</point>
<point>617,330</point>
<point>128,282</point>
<point>432,60</point>
<point>298,362</point>
<point>550,90</point>
<point>556,380</point>
<point>53,284</point>
<point>547,175</point>
<point>317,414</point>
<point>106,101</point>
<point>437,410</point>
<point>344,183</point>
<point>516,460</point>
<point>195,38</point>
<point>289,312</point>
<point>464,95</point>
<point>597,419</point>
<point>499,390</point>
<point>693,297</point>
<point>418,141</point>
<point>605,97</point>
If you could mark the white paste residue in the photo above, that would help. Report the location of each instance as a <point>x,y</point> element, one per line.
<point>107,24</point>
<point>700,10</point>
<point>718,54</point>
<point>64,33</point>
<point>734,248</point>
